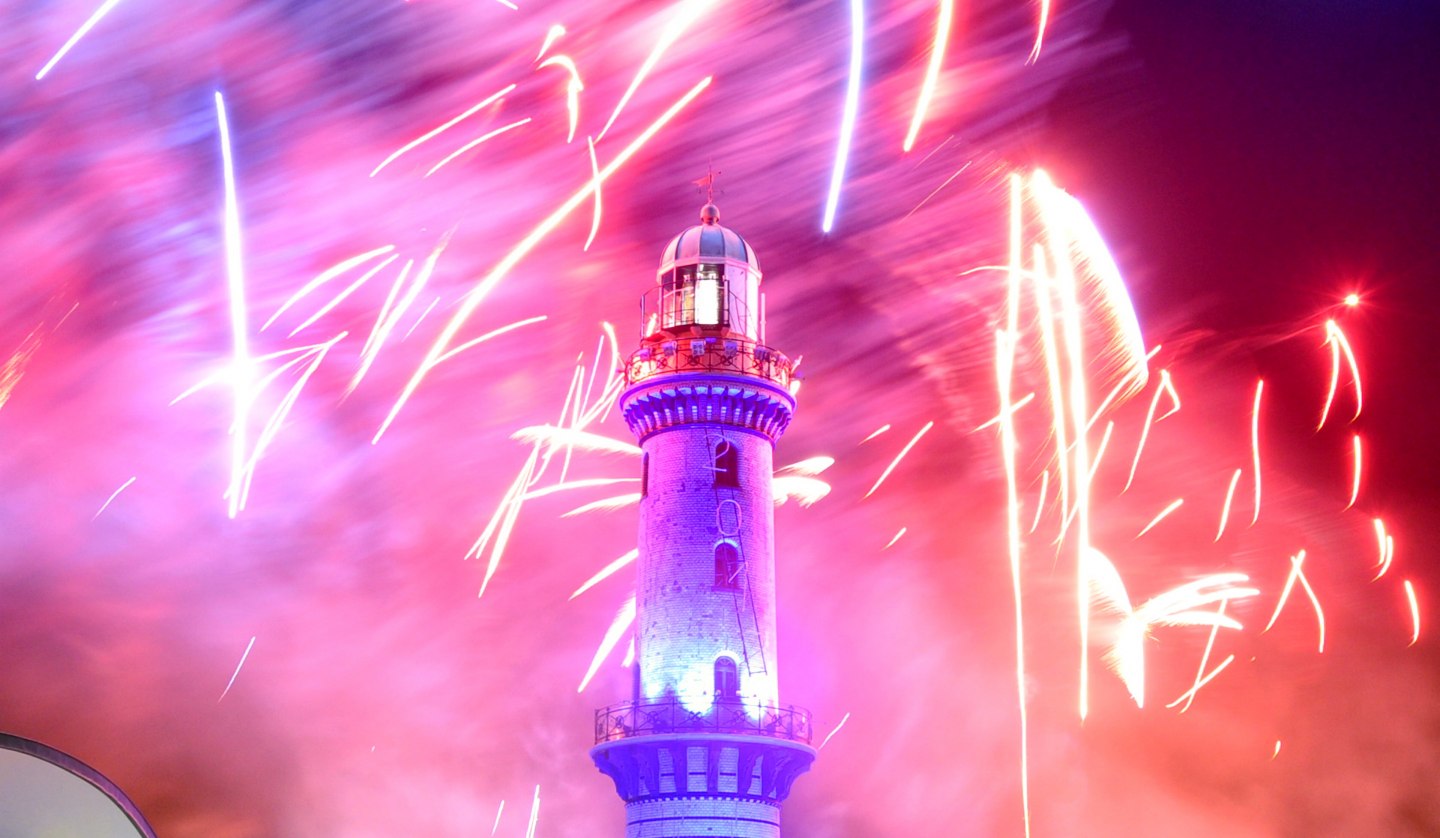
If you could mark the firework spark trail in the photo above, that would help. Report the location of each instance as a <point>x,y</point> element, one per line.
<point>75,38</point>
<point>339,298</point>
<point>424,314</point>
<point>1387,548</point>
<point>555,32</point>
<point>1005,350</point>
<point>534,814</point>
<point>113,495</point>
<point>898,457</point>
<point>390,316</point>
<point>932,71</point>
<point>236,674</point>
<point>1200,678</point>
<point>832,733</point>
<point>607,571</point>
<point>1355,472</point>
<point>1120,386</point>
<point>429,135</point>
<point>1051,355</point>
<point>474,297</point>
<point>1175,607</point>
<point>995,420</point>
<point>629,653</point>
<point>1189,695</point>
<point>1040,26</point>
<point>1277,750</point>
<point>325,276</point>
<point>475,142</point>
<point>14,367</point>
<point>1414,612</point>
<point>610,505</point>
<point>891,542</point>
<point>240,365</point>
<point>490,335</point>
<point>923,201</point>
<point>1340,345</point>
<point>315,355</point>
<point>1298,574</point>
<point>1004,376</point>
<point>498,813</point>
<point>850,113</point>
<point>573,88</point>
<point>595,174</point>
<point>1165,387</point>
<point>583,440</point>
<point>1229,498</point>
<point>688,13</point>
<point>808,467</point>
<point>807,491</point>
<point>503,520</point>
<point>878,431</point>
<point>1255,447</point>
<point>1164,513</point>
<point>624,618</point>
<point>588,483</point>
<point>1040,502</point>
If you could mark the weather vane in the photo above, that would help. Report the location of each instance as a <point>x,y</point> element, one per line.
<point>708,183</point>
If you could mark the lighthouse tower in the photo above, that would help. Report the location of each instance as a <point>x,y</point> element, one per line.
<point>704,747</point>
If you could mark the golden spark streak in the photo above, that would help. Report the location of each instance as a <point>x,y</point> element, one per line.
<point>1229,498</point>
<point>510,327</point>
<point>995,420</point>
<point>1189,696</point>
<point>535,806</point>
<point>1040,26</point>
<point>607,571</point>
<point>1255,447</point>
<point>690,12</point>
<point>572,89</point>
<point>1164,513</point>
<point>898,458</point>
<point>832,733</point>
<point>878,431</point>
<point>1040,502</point>
<point>605,504</point>
<point>555,32</point>
<point>594,217</point>
<point>1296,573</point>
<point>584,440</point>
<point>624,618</point>
<point>1414,612</point>
<point>482,138</point>
<point>113,495</point>
<point>327,275</point>
<point>892,541</point>
<point>1277,750</point>
<point>477,294</point>
<point>1164,387</point>
<point>436,132</point>
<point>1355,478</point>
<point>1339,344</point>
<point>338,298</point>
<point>932,71</point>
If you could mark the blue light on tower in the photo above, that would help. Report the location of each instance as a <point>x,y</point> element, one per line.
<point>704,746</point>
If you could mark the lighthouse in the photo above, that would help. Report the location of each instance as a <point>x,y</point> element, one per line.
<point>704,747</point>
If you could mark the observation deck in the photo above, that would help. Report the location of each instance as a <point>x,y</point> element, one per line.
<point>708,353</point>
<point>669,716</point>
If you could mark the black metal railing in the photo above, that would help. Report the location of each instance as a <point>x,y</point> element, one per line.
<point>709,354</point>
<point>668,715</point>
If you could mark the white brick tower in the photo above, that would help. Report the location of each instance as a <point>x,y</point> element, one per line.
<point>704,748</point>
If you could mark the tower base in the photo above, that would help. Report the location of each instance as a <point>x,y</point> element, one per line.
<point>691,785</point>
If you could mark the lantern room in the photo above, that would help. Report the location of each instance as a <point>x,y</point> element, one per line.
<point>709,279</point>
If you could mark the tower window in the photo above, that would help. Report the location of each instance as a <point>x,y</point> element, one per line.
<point>727,679</point>
<point>727,465</point>
<point>727,566</point>
<point>645,475</point>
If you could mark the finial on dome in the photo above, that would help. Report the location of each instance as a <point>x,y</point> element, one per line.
<point>709,214</point>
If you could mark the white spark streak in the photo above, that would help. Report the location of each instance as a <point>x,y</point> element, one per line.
<point>237,671</point>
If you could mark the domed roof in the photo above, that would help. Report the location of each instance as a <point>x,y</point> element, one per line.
<point>708,242</point>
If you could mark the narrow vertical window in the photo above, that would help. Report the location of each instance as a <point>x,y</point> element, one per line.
<point>645,475</point>
<point>727,465</point>
<point>727,679</point>
<point>727,566</point>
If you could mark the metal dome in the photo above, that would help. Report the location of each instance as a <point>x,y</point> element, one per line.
<point>708,242</point>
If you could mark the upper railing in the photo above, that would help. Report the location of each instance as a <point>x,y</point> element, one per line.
<point>668,715</point>
<point>709,354</point>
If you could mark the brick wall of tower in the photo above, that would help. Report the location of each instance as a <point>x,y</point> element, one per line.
<point>690,817</point>
<point>684,621</point>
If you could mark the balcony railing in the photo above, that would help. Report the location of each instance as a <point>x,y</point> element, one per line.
<point>709,354</point>
<point>668,715</point>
